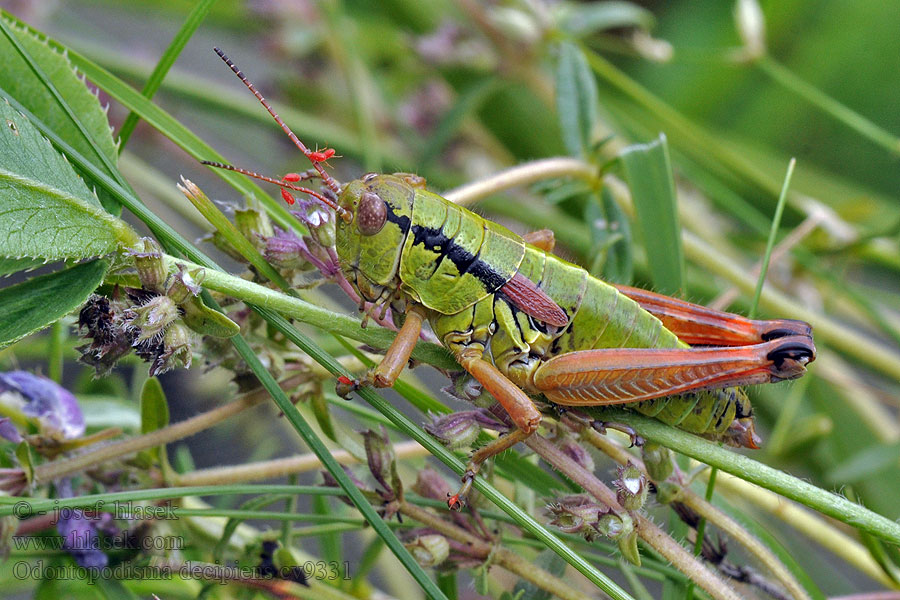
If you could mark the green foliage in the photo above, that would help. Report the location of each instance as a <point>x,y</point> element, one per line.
<point>46,210</point>
<point>36,303</point>
<point>93,138</point>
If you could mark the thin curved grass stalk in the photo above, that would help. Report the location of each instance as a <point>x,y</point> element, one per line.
<point>810,525</point>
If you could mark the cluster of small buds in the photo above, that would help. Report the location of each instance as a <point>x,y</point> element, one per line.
<point>156,322</point>
<point>580,514</point>
<point>459,429</point>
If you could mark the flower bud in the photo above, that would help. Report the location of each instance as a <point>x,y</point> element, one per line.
<point>458,430</point>
<point>430,484</point>
<point>429,550</point>
<point>576,452</point>
<point>631,487</point>
<point>577,514</point>
<point>149,264</point>
<point>751,26</point>
<point>615,526</point>
<point>253,224</point>
<point>657,461</point>
<point>285,250</point>
<point>174,353</point>
<point>667,491</point>
<point>380,458</point>
<point>154,317</point>
<point>185,285</point>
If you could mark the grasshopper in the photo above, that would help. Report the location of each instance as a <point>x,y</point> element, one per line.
<point>528,325</point>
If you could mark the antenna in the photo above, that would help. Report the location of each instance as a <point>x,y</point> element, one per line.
<point>281,183</point>
<point>314,157</point>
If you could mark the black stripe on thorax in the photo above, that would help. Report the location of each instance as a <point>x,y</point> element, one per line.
<point>464,261</point>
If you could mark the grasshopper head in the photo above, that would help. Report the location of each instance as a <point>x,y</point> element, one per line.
<point>369,244</point>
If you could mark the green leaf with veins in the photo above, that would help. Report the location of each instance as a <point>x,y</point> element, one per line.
<point>46,210</point>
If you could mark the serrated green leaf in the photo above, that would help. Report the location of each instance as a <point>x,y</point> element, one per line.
<point>38,302</point>
<point>20,82</point>
<point>46,210</point>
<point>576,99</point>
<point>10,265</point>
<point>648,170</point>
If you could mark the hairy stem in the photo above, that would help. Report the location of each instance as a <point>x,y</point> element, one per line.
<point>709,512</point>
<point>316,316</point>
<point>683,560</point>
<point>60,468</point>
<point>510,561</point>
<point>280,467</point>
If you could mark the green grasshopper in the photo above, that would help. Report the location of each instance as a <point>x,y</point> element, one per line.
<point>526,324</point>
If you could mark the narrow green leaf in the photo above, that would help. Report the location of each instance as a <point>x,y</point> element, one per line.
<point>20,82</point>
<point>10,265</point>
<point>582,20</point>
<point>154,408</point>
<point>576,99</point>
<point>648,170</point>
<point>34,304</point>
<point>867,463</point>
<point>201,9</point>
<point>46,210</point>
<point>773,232</point>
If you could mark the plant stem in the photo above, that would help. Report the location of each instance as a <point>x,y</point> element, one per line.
<point>280,467</point>
<point>510,561</point>
<point>321,318</point>
<point>647,530</point>
<point>60,468</point>
<point>810,525</point>
<point>752,471</point>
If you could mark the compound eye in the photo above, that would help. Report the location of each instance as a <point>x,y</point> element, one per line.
<point>371,214</point>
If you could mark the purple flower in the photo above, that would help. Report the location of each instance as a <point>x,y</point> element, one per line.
<point>80,538</point>
<point>54,407</point>
<point>8,430</point>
